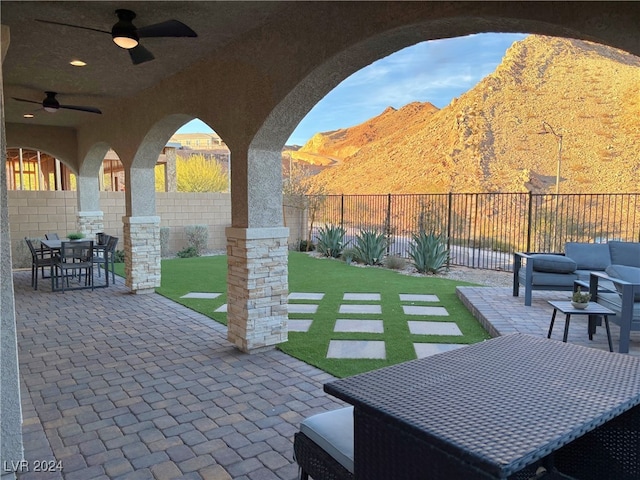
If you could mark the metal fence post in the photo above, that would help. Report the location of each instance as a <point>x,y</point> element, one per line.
<point>529,219</point>
<point>342,210</point>
<point>388,223</point>
<point>449,209</point>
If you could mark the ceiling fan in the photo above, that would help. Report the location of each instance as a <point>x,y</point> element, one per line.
<point>126,35</point>
<point>50,104</point>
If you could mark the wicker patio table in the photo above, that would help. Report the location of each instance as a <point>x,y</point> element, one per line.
<point>498,410</point>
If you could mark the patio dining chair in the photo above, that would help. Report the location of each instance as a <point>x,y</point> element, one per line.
<point>51,236</point>
<point>109,252</point>
<point>76,258</point>
<point>40,258</point>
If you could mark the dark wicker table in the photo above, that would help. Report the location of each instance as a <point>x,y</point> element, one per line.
<point>498,410</point>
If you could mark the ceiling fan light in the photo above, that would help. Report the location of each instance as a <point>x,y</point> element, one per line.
<point>126,42</point>
<point>50,109</point>
<point>28,115</point>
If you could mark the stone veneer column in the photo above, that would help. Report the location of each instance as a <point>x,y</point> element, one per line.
<point>142,247</point>
<point>90,223</point>
<point>257,283</point>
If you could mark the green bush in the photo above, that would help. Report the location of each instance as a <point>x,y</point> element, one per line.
<point>197,237</point>
<point>118,256</point>
<point>349,254</point>
<point>188,252</point>
<point>306,246</point>
<point>429,252</point>
<point>370,246</point>
<point>331,241</point>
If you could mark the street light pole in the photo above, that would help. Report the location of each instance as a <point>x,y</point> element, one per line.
<point>546,128</point>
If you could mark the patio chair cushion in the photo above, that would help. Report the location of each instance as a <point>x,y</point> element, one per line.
<point>588,256</point>
<point>333,432</point>
<point>553,264</point>
<point>626,273</point>
<point>625,253</point>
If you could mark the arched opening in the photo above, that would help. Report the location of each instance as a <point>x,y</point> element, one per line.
<point>29,169</point>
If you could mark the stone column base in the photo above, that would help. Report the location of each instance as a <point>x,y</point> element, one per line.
<point>258,287</point>
<point>142,253</point>
<point>90,223</point>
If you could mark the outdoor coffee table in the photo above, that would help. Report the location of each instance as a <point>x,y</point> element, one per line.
<point>498,410</point>
<point>591,310</point>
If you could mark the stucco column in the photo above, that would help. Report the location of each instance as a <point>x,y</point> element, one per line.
<point>257,253</point>
<point>141,232</point>
<point>90,218</point>
<point>10,408</point>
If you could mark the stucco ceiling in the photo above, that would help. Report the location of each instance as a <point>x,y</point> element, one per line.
<point>39,54</point>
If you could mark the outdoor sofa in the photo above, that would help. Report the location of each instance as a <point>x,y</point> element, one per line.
<point>610,271</point>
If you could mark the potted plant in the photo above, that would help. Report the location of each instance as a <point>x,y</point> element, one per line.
<point>580,300</point>
<point>75,236</point>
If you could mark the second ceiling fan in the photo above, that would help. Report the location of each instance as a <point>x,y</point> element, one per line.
<point>126,35</point>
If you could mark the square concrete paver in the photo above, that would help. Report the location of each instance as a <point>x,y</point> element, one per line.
<point>201,295</point>
<point>436,311</point>
<point>221,309</point>
<point>302,308</point>
<point>296,325</point>
<point>366,326</point>
<point>362,297</point>
<point>373,309</point>
<point>412,297</point>
<point>356,349</point>
<point>428,349</point>
<point>305,296</point>
<point>434,328</point>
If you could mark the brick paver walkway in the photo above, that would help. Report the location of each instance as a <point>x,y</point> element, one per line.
<point>123,386</point>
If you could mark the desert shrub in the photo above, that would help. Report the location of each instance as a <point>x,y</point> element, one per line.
<point>199,174</point>
<point>394,262</point>
<point>197,237</point>
<point>118,256</point>
<point>187,252</point>
<point>428,251</point>
<point>349,255</point>
<point>331,241</point>
<point>370,246</point>
<point>305,246</point>
<point>164,241</point>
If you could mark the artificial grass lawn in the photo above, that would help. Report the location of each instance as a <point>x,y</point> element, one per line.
<point>333,278</point>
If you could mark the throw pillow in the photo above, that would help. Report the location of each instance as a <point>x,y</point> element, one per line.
<point>626,273</point>
<point>588,256</point>
<point>625,253</point>
<point>553,263</point>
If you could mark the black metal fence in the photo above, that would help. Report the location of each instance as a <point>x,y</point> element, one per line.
<point>484,229</point>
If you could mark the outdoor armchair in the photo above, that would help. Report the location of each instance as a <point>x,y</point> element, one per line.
<point>40,258</point>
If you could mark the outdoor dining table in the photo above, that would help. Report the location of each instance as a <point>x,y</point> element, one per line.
<point>55,245</point>
<point>499,409</point>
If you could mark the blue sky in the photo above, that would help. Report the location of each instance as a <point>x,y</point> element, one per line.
<point>436,71</point>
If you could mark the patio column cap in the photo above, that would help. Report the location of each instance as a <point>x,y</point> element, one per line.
<point>257,233</point>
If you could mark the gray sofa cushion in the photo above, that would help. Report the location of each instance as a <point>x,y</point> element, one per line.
<point>545,279</point>
<point>588,256</point>
<point>625,253</point>
<point>626,273</point>
<point>333,432</point>
<point>553,264</point>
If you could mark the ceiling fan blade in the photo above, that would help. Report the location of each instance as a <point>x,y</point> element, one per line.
<point>170,28</point>
<point>140,54</point>
<point>25,100</point>
<point>73,26</point>
<point>82,109</point>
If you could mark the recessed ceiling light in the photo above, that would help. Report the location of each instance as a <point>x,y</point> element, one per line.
<point>77,63</point>
<point>28,115</point>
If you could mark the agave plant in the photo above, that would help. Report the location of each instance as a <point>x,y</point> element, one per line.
<point>429,252</point>
<point>370,246</point>
<point>330,241</point>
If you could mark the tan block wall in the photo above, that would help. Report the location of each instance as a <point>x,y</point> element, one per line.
<point>34,213</point>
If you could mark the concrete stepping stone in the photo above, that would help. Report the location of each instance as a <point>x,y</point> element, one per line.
<point>434,328</point>
<point>356,349</point>
<point>358,309</point>
<point>414,310</point>
<point>302,308</point>
<point>305,296</point>
<point>221,309</point>
<point>362,297</point>
<point>428,349</point>
<point>363,326</point>
<point>201,295</point>
<point>296,325</point>
<point>412,297</point>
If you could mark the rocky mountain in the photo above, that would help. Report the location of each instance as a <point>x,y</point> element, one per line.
<point>488,139</point>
